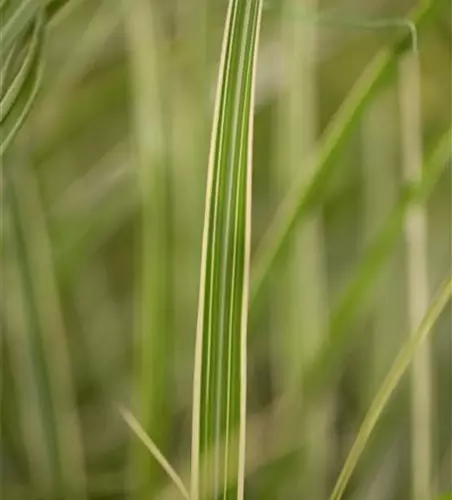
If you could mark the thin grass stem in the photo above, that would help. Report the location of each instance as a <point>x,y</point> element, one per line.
<point>417,277</point>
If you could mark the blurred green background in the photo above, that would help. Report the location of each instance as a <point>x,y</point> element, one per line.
<point>72,260</point>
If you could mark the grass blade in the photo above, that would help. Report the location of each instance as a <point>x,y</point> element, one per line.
<point>21,41</point>
<point>381,188</point>
<point>191,95</point>
<point>18,79</point>
<point>374,259</point>
<point>153,449</point>
<point>152,355</point>
<point>20,82</point>
<point>219,401</point>
<point>391,381</point>
<point>16,18</point>
<point>300,300</point>
<point>52,430</point>
<point>417,277</point>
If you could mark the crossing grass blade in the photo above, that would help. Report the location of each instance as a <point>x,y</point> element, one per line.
<point>388,386</point>
<point>375,257</point>
<point>304,195</point>
<point>219,399</point>
<point>139,432</point>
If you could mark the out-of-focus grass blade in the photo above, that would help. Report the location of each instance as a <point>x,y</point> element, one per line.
<point>95,206</point>
<point>21,75</point>
<point>417,288</point>
<point>12,90</point>
<point>95,36</point>
<point>54,7</point>
<point>190,129</point>
<point>381,188</point>
<point>21,43</point>
<point>304,195</point>
<point>390,383</point>
<point>374,259</point>
<point>219,401</point>
<point>16,16</point>
<point>52,431</point>
<point>299,304</point>
<point>152,356</point>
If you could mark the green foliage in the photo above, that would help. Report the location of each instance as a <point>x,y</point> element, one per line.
<point>102,198</point>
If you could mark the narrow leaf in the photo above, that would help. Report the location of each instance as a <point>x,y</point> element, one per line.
<point>152,355</point>
<point>417,278</point>
<point>220,359</point>
<point>388,386</point>
<point>16,18</point>
<point>153,449</point>
<point>51,428</point>
<point>298,318</point>
<point>20,82</point>
<point>373,261</point>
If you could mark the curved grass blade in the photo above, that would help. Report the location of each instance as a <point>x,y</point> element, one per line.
<point>304,195</point>
<point>219,400</point>
<point>388,386</point>
<point>21,41</point>
<point>18,79</point>
<point>16,17</point>
<point>20,87</point>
